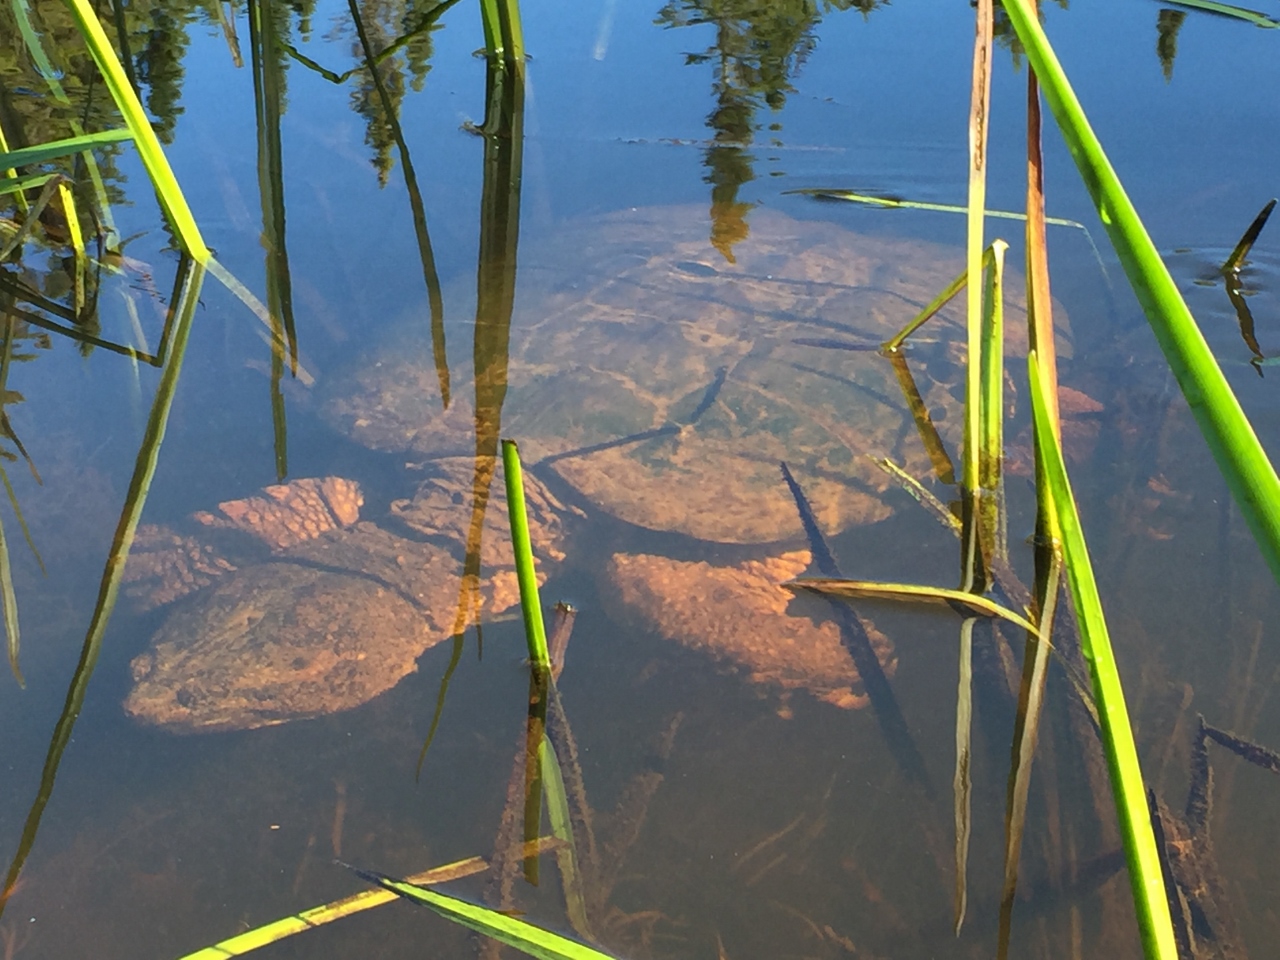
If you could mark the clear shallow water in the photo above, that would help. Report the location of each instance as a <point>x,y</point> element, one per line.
<point>794,836</point>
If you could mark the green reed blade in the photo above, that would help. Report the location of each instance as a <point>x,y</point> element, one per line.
<point>931,308</point>
<point>149,149</point>
<point>524,936</point>
<point>967,603</point>
<point>961,784</point>
<point>1229,10</point>
<point>503,34</point>
<point>1248,238</point>
<point>526,573</point>
<point>1154,923</point>
<point>43,153</point>
<point>9,185</point>
<point>1249,474</point>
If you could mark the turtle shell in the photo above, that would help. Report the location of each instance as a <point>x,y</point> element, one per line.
<point>665,383</point>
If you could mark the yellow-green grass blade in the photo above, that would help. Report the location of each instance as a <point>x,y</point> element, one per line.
<point>1229,10</point>
<point>1151,906</point>
<point>975,243</point>
<point>526,573</point>
<point>77,243</point>
<point>524,936</point>
<point>149,149</point>
<point>52,79</point>
<point>969,604</point>
<point>893,344</point>
<point>268,933</point>
<point>18,184</point>
<point>56,149</point>
<point>992,407</point>
<point>1249,474</point>
<point>825,193</point>
<point>1248,238</point>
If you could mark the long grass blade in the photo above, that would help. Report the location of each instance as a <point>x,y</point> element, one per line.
<point>526,573</point>
<point>1151,906</point>
<point>961,784</point>
<point>1026,734</point>
<point>149,149</point>
<point>933,445</point>
<point>968,604</point>
<point>853,635</point>
<point>55,149</point>
<point>426,255</point>
<point>9,605</point>
<point>182,311</point>
<point>562,829</point>
<point>1248,238</point>
<point>277,930</point>
<point>1250,475</point>
<point>533,940</point>
<point>992,533</point>
<point>1229,10</point>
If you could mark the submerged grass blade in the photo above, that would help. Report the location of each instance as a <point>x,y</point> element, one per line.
<point>524,936</point>
<point>526,574</point>
<point>968,603</point>
<point>1151,906</point>
<point>933,445</point>
<point>824,193</point>
<point>182,312</point>
<point>562,829</point>
<point>961,784</point>
<point>1229,10</point>
<point>1249,474</point>
<point>9,604</point>
<point>426,255</point>
<point>1249,238</point>
<point>884,704</point>
<point>1026,733</point>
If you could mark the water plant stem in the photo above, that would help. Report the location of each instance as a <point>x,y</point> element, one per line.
<point>1249,474</point>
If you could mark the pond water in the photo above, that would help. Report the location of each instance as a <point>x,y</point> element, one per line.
<point>657,272</point>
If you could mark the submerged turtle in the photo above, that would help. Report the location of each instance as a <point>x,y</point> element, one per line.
<point>664,384</point>
<point>323,612</point>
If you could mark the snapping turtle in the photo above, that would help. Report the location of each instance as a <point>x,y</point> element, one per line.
<point>328,611</point>
<point>664,383</point>
<point>738,615</point>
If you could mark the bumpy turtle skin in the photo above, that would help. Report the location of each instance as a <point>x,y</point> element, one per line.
<point>738,616</point>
